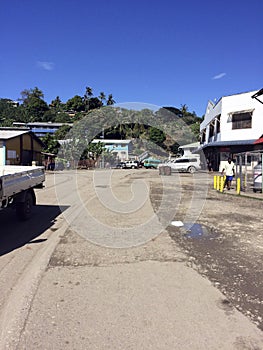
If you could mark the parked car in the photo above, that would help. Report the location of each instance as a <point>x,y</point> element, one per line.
<point>131,164</point>
<point>184,164</point>
<point>59,166</point>
<point>120,165</point>
<point>151,163</point>
<point>257,175</point>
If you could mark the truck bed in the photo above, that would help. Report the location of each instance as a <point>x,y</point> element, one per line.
<point>15,179</point>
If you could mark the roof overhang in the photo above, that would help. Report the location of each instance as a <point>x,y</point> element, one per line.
<point>259,141</point>
<point>257,94</point>
<point>226,144</point>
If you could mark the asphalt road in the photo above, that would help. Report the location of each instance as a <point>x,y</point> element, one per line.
<point>111,272</point>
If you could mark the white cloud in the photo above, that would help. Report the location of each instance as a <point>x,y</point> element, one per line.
<point>45,65</point>
<point>219,76</point>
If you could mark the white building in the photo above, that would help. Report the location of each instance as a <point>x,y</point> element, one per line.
<point>187,150</point>
<point>230,126</point>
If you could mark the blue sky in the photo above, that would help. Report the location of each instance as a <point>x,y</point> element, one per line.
<point>166,53</point>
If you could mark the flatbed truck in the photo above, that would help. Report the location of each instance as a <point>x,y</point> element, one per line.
<point>17,184</point>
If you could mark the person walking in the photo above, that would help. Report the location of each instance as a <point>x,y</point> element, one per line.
<point>229,171</point>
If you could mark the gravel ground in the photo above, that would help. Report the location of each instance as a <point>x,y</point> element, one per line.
<point>225,244</point>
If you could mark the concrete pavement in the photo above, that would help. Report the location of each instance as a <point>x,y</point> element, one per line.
<point>142,297</point>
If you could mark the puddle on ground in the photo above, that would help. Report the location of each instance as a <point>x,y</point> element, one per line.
<point>194,230</point>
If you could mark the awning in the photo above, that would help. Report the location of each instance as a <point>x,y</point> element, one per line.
<point>258,141</point>
<point>225,144</point>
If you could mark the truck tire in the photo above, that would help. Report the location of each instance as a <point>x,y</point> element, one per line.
<point>24,209</point>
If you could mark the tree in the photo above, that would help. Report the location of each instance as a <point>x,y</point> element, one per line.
<point>157,136</point>
<point>95,149</point>
<point>89,92</point>
<point>26,94</point>
<point>51,144</point>
<point>62,132</point>
<point>48,116</point>
<point>35,109</point>
<point>86,99</point>
<point>33,104</point>
<point>110,100</point>
<point>56,104</point>
<point>184,110</point>
<point>174,147</point>
<point>62,117</point>
<point>76,104</point>
<point>8,112</point>
<point>94,103</point>
<point>102,96</point>
<point>195,128</point>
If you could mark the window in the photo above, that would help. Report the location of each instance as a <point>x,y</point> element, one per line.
<point>211,129</point>
<point>242,120</point>
<point>182,161</point>
<point>203,136</point>
<point>218,124</point>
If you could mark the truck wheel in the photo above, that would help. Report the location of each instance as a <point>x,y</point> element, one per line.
<point>24,209</point>
<point>191,169</point>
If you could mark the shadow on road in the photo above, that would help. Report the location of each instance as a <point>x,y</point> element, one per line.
<point>15,233</point>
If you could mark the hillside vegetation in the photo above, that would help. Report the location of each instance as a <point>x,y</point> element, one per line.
<point>97,117</point>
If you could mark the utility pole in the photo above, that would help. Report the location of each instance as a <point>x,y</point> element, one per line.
<point>102,160</point>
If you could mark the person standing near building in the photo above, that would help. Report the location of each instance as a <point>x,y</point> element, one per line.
<point>229,171</point>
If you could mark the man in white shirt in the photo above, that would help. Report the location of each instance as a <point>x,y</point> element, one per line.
<point>229,170</point>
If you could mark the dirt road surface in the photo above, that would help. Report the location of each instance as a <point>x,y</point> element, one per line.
<point>111,272</point>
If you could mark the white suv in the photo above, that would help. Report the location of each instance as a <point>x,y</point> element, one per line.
<point>131,164</point>
<point>190,165</point>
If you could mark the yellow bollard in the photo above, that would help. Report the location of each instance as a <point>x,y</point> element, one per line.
<point>238,185</point>
<point>222,181</point>
<point>215,182</point>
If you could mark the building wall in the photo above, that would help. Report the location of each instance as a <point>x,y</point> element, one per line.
<point>19,151</point>
<point>31,150</point>
<point>12,153</point>
<point>2,153</point>
<point>224,108</point>
<point>238,103</point>
<point>209,116</point>
<point>120,148</point>
<point>120,151</point>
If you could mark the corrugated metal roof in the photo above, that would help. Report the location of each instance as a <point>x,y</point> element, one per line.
<point>108,141</point>
<point>41,124</point>
<point>194,144</point>
<point>9,134</point>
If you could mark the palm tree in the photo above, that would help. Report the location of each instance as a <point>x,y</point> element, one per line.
<point>89,91</point>
<point>184,110</point>
<point>56,104</point>
<point>88,94</point>
<point>102,96</point>
<point>110,100</point>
